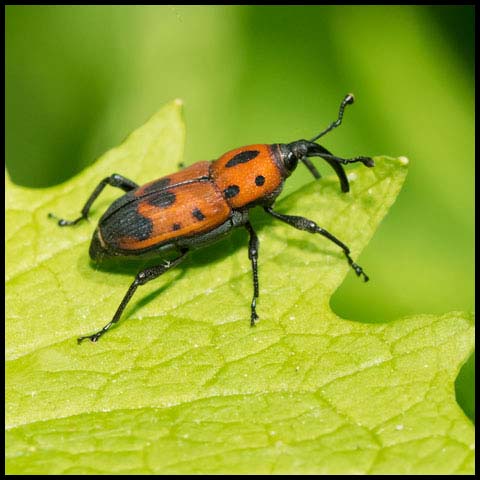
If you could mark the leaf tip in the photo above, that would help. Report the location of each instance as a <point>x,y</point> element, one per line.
<point>403,160</point>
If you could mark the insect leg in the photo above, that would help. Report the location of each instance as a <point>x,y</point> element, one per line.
<point>253,247</point>
<point>308,225</point>
<point>311,167</point>
<point>326,155</point>
<point>336,163</point>
<point>342,176</point>
<point>115,180</point>
<point>141,279</point>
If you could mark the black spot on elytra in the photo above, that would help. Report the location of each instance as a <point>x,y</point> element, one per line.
<point>126,222</point>
<point>157,186</point>
<point>243,157</point>
<point>143,228</point>
<point>259,180</point>
<point>162,199</point>
<point>198,214</point>
<point>176,226</point>
<point>122,219</point>
<point>231,191</point>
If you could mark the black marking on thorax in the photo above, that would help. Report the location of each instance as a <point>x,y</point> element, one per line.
<point>259,180</point>
<point>231,191</point>
<point>242,157</point>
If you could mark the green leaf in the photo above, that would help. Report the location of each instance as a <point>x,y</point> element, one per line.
<point>183,384</point>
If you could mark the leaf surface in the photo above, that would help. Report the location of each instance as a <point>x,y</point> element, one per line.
<point>183,384</point>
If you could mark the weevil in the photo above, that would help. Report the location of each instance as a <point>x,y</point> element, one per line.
<point>204,202</point>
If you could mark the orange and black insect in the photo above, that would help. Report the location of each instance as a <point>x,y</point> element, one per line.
<point>204,202</point>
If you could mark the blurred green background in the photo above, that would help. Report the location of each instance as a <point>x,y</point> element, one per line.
<point>79,79</point>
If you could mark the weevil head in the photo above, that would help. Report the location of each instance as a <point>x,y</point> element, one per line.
<point>300,150</point>
<point>292,153</point>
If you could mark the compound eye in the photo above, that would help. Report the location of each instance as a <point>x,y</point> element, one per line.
<point>291,161</point>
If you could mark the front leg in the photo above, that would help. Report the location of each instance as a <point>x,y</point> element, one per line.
<point>308,225</point>
<point>115,180</point>
<point>253,246</point>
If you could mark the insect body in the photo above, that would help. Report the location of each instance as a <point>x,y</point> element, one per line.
<point>202,203</point>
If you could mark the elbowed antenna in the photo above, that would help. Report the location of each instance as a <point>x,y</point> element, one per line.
<point>315,150</point>
<point>348,100</point>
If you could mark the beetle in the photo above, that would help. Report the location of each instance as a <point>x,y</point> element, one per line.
<point>202,203</point>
